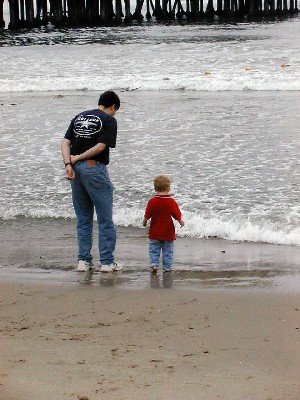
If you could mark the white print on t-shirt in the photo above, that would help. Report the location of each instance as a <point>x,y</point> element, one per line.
<point>87,125</point>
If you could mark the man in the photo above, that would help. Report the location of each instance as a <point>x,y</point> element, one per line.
<point>85,152</point>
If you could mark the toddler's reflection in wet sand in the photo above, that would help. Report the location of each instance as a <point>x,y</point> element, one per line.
<point>166,282</point>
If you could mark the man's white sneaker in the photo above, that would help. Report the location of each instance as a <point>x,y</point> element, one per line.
<point>84,265</point>
<point>117,267</point>
<point>110,267</point>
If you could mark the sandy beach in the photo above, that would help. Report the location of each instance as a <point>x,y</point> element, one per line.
<point>214,107</point>
<point>225,325</point>
<point>86,343</point>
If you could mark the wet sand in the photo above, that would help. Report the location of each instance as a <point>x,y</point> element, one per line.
<point>225,325</point>
<point>46,250</point>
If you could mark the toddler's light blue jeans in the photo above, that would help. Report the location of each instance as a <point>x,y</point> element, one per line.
<point>166,247</point>
<point>92,189</point>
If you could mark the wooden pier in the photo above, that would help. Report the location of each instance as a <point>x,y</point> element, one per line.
<point>74,13</point>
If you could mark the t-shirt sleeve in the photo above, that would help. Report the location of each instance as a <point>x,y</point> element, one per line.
<point>176,213</point>
<point>108,135</point>
<point>69,132</point>
<point>148,211</point>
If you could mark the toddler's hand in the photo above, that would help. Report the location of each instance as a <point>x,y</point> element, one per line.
<point>145,222</point>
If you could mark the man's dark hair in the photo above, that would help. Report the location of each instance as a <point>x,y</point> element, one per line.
<point>108,99</point>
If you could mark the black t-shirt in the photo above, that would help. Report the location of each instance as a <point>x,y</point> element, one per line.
<point>90,128</point>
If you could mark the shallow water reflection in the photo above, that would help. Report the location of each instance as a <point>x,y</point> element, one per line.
<point>110,278</point>
<point>158,282</point>
<point>137,278</point>
<point>256,279</point>
<point>86,277</point>
<point>105,279</point>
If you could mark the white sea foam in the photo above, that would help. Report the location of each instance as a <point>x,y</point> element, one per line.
<point>217,81</point>
<point>196,226</point>
<point>42,212</point>
<point>240,229</point>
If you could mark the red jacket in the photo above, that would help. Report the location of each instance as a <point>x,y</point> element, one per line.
<point>161,209</point>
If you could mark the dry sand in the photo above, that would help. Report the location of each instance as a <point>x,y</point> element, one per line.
<point>107,343</point>
<point>64,338</point>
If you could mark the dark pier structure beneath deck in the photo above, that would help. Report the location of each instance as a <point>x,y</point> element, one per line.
<point>74,13</point>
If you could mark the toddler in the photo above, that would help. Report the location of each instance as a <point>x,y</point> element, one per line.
<point>160,209</point>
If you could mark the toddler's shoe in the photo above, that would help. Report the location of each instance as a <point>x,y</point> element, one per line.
<point>154,268</point>
<point>165,269</point>
<point>84,265</point>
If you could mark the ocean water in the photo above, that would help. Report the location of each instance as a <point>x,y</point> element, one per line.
<point>216,107</point>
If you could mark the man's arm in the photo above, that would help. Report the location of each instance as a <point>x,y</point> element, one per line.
<point>66,151</point>
<point>89,154</point>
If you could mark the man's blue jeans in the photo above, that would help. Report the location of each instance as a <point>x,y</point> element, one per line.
<point>164,246</point>
<point>92,189</point>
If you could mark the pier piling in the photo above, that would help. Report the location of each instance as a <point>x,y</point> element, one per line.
<point>72,13</point>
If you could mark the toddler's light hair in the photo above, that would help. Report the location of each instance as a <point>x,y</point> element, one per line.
<point>162,183</point>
